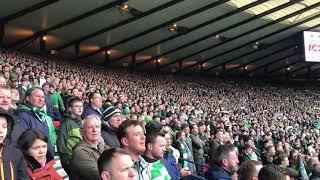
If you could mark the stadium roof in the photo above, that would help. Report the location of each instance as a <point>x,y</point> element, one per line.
<point>230,37</point>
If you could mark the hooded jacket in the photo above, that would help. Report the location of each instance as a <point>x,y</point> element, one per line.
<point>69,136</point>
<point>12,158</point>
<point>36,172</point>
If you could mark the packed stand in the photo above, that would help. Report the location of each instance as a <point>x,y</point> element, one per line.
<point>115,124</point>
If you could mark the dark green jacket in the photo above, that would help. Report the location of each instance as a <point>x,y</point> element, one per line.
<point>197,146</point>
<point>84,161</point>
<point>69,136</point>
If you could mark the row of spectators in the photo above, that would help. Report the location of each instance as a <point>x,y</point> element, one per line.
<point>170,126</point>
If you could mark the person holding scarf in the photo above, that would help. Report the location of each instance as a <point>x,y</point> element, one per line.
<point>32,115</point>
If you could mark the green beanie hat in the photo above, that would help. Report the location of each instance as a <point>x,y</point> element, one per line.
<point>147,118</point>
<point>126,110</point>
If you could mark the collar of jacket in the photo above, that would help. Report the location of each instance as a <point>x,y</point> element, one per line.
<point>34,164</point>
<point>68,116</point>
<point>140,164</point>
<point>107,127</point>
<point>101,147</point>
<point>149,160</point>
<point>221,170</point>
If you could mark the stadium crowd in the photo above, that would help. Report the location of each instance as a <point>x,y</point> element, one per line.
<point>115,124</point>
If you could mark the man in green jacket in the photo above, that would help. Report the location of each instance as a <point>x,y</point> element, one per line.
<point>69,133</point>
<point>86,153</point>
<point>57,102</point>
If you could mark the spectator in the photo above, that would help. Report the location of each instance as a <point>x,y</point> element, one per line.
<point>185,152</point>
<point>48,99</point>
<point>95,104</point>
<point>58,105</point>
<point>69,132</point>
<point>2,81</point>
<point>273,172</point>
<point>204,137</point>
<point>23,89</point>
<point>218,139</point>
<point>249,170</point>
<point>282,161</point>
<point>34,145</point>
<point>269,155</point>
<point>256,154</point>
<point>155,149</point>
<point>14,98</point>
<point>224,164</point>
<point>197,146</point>
<point>5,98</point>
<point>132,139</point>
<point>13,166</point>
<point>170,161</point>
<point>246,154</point>
<point>83,164</point>
<point>5,105</point>
<point>186,129</point>
<point>115,164</point>
<point>110,125</point>
<point>31,115</point>
<point>315,172</point>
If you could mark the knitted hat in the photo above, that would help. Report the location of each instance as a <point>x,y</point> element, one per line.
<point>110,111</point>
<point>29,91</point>
<point>126,110</point>
<point>147,118</point>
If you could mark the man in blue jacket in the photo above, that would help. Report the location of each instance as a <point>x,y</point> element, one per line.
<point>225,163</point>
<point>95,104</point>
<point>32,115</point>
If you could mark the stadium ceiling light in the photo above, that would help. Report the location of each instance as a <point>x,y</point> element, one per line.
<point>124,7</point>
<point>255,45</point>
<point>173,27</point>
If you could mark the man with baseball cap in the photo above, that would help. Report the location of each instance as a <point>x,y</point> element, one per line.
<point>111,121</point>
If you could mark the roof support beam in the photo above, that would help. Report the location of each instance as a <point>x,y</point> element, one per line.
<point>260,49</point>
<point>308,66</point>
<point>133,61</point>
<point>42,45</point>
<point>192,13</point>
<point>76,50</point>
<point>262,57</point>
<point>254,30</point>
<point>267,65</point>
<point>67,22</point>
<point>190,30</point>
<point>27,10</point>
<point>119,24</point>
<point>1,34</point>
<point>107,58</point>
<point>285,66</point>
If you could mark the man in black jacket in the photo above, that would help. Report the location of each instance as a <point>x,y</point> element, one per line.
<point>111,121</point>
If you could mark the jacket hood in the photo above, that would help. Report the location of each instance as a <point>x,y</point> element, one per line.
<point>10,120</point>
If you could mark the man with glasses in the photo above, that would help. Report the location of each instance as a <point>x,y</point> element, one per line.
<point>69,133</point>
<point>86,153</point>
<point>95,104</point>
